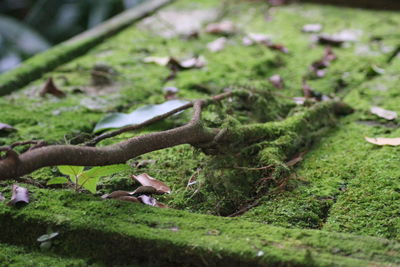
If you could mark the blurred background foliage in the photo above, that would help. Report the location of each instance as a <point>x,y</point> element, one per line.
<point>31,26</point>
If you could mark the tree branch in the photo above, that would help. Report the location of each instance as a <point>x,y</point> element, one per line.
<point>190,133</point>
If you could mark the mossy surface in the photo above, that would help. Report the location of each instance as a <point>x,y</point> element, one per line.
<point>117,232</point>
<point>343,184</point>
<point>13,256</point>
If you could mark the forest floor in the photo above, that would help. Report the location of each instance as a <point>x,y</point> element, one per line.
<point>312,191</point>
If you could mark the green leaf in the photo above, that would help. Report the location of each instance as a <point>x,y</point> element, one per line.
<point>57,180</point>
<point>106,170</point>
<point>89,179</point>
<point>71,170</point>
<point>89,183</point>
<point>142,114</point>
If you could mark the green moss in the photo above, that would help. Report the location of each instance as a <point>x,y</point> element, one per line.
<point>121,233</point>
<point>12,256</point>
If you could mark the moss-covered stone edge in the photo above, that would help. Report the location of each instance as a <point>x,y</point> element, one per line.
<point>115,232</point>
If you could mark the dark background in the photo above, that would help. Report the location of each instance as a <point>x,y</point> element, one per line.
<point>31,26</point>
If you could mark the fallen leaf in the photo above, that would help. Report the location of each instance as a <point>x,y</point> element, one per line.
<point>142,114</point>
<point>194,62</point>
<point>318,68</point>
<point>224,27</point>
<point>339,38</point>
<point>256,38</point>
<point>146,180</point>
<point>129,199</point>
<point>121,195</point>
<point>47,237</point>
<point>162,61</point>
<point>145,190</point>
<point>312,28</point>
<point>381,141</point>
<point>330,40</point>
<point>2,198</point>
<point>102,74</point>
<point>19,195</point>
<point>299,100</point>
<point>277,81</point>
<point>151,201</point>
<point>51,88</point>
<point>217,45</point>
<point>307,90</point>
<point>147,200</point>
<point>6,128</point>
<point>374,70</point>
<point>278,47</point>
<point>296,159</point>
<point>170,92</point>
<point>116,194</point>
<point>384,113</point>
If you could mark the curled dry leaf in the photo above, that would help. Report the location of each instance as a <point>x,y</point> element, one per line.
<point>162,61</point>
<point>277,81</point>
<point>384,113</point>
<point>19,195</point>
<point>146,180</point>
<point>6,128</point>
<point>312,28</point>
<point>116,194</point>
<point>381,141</point>
<point>318,68</point>
<point>170,92</point>
<point>217,45</point>
<point>194,62</point>
<point>225,27</point>
<point>102,74</point>
<point>257,38</point>
<point>143,163</point>
<point>129,199</point>
<point>339,38</point>
<point>51,88</point>
<point>121,195</point>
<point>151,201</point>
<point>307,90</point>
<point>175,65</point>
<point>145,190</point>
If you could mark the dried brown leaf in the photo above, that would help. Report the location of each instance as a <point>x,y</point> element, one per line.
<point>381,141</point>
<point>116,194</point>
<point>19,195</point>
<point>129,199</point>
<point>170,92</point>
<point>147,200</point>
<point>384,113</point>
<point>145,190</point>
<point>146,180</point>
<point>224,27</point>
<point>51,88</point>
<point>277,81</point>
<point>6,128</point>
<point>312,28</point>
<point>217,45</point>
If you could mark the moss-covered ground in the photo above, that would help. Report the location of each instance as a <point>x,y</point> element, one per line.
<point>343,184</point>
